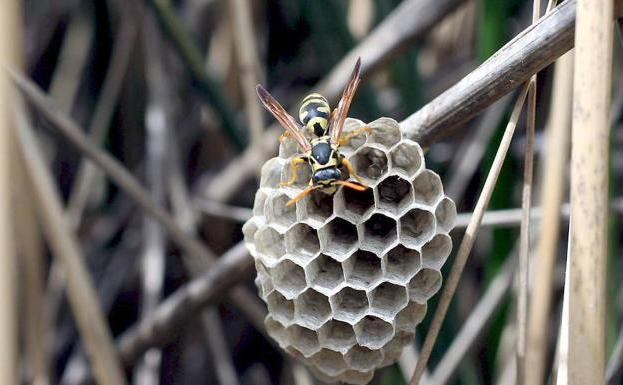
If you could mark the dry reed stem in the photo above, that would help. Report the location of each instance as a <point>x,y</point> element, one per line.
<point>615,362</point>
<point>474,325</point>
<point>10,55</point>
<point>248,58</point>
<point>589,191</point>
<point>81,293</point>
<point>556,161</point>
<point>560,373</point>
<point>468,241</point>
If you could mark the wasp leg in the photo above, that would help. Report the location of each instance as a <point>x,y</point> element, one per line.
<point>293,167</point>
<point>351,171</point>
<point>354,186</point>
<point>344,139</point>
<point>301,195</point>
<point>282,137</point>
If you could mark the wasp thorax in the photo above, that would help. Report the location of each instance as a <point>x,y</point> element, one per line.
<point>346,277</point>
<point>314,114</point>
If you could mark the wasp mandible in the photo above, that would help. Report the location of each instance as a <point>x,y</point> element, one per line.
<point>325,127</point>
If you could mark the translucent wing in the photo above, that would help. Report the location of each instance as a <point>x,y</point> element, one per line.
<point>341,111</point>
<point>286,120</point>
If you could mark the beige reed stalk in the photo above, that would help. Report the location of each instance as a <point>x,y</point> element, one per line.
<point>589,191</point>
<point>556,158</point>
<point>10,38</point>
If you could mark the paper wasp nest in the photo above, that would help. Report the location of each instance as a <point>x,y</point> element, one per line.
<point>346,277</point>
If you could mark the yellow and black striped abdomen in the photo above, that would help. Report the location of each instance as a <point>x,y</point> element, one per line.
<point>314,114</point>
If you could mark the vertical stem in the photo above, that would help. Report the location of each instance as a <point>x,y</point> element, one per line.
<point>589,191</point>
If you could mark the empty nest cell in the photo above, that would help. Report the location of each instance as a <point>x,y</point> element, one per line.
<point>424,285</point>
<point>263,281</point>
<point>338,237</point>
<point>427,188</point>
<point>363,269</point>
<point>352,204</point>
<point>259,202</point>
<point>385,131</point>
<point>280,308</point>
<point>379,232</point>
<point>276,330</point>
<point>312,309</point>
<point>407,158</point>
<point>288,148</point>
<point>279,213</point>
<point>401,263</point>
<point>357,140</point>
<point>325,272</point>
<point>370,163</point>
<point>271,173</point>
<point>337,335</point>
<point>363,359</point>
<point>330,362</point>
<point>302,240</point>
<point>316,207</point>
<point>416,227</point>
<point>394,194</point>
<point>270,244</point>
<point>436,251</point>
<point>304,340</point>
<point>357,377</point>
<point>349,305</point>
<point>289,278</point>
<point>388,299</point>
<point>445,214</point>
<point>372,332</point>
<point>410,316</point>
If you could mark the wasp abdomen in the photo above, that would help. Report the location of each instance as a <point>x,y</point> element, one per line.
<point>314,114</point>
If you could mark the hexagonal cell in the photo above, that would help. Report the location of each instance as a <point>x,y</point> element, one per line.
<point>303,339</point>
<point>385,131</point>
<point>445,214</point>
<point>248,230</point>
<point>279,213</point>
<point>271,173</point>
<point>259,202</point>
<point>280,308</point>
<point>337,335</point>
<point>289,278</point>
<point>330,362</point>
<point>424,285</point>
<point>370,163</point>
<point>357,377</point>
<point>316,207</point>
<point>302,240</point>
<point>393,349</point>
<point>363,269</point>
<point>363,359</point>
<point>394,194</point>
<point>416,227</point>
<point>356,141</point>
<point>270,243</point>
<point>407,158</point>
<point>325,272</point>
<point>312,309</point>
<point>303,175</point>
<point>349,305</point>
<point>436,251</point>
<point>379,233</point>
<point>401,263</point>
<point>411,316</point>
<point>373,332</point>
<point>388,299</point>
<point>276,330</point>
<point>263,280</point>
<point>338,237</point>
<point>427,187</point>
<point>352,204</point>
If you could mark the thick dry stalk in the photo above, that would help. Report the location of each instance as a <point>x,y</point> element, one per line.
<point>474,325</point>
<point>246,50</point>
<point>529,52</point>
<point>556,161</point>
<point>589,192</point>
<point>468,241</point>
<point>81,294</point>
<point>10,55</point>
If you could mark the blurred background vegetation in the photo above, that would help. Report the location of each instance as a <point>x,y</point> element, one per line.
<point>162,81</point>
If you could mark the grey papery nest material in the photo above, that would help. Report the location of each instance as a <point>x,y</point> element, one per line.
<point>346,277</point>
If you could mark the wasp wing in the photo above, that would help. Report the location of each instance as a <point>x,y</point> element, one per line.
<point>286,120</point>
<point>341,111</point>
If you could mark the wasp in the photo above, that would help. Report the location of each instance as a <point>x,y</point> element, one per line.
<point>325,128</point>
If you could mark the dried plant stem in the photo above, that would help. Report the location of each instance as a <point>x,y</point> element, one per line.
<point>589,192</point>
<point>556,161</point>
<point>10,54</point>
<point>81,294</point>
<point>615,363</point>
<point>468,241</point>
